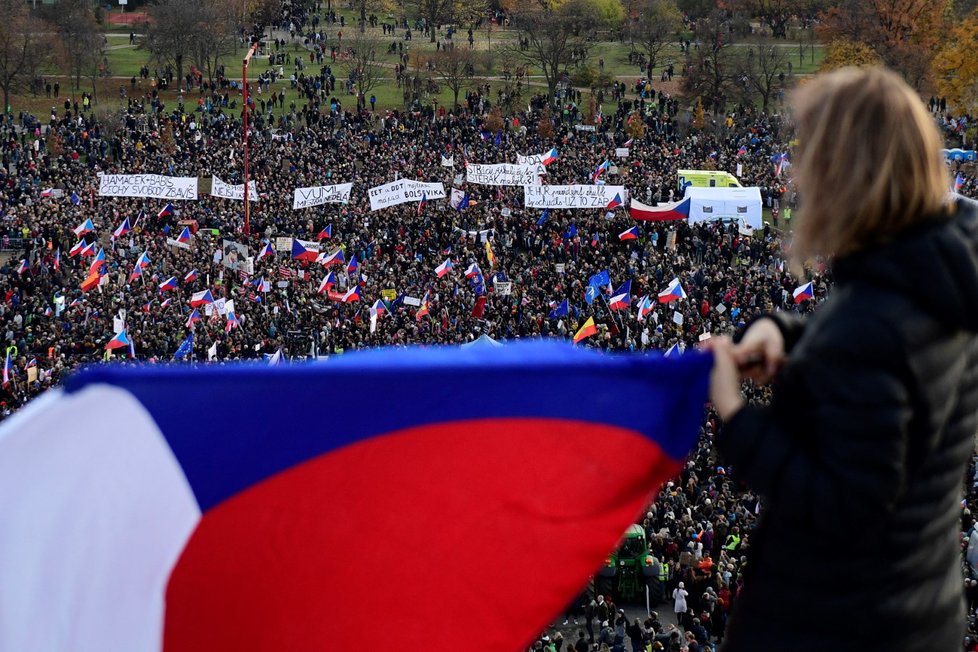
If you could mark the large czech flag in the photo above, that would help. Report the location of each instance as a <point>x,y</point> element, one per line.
<point>131,523</point>
<point>678,210</point>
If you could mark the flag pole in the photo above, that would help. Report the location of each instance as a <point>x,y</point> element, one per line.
<point>607,305</point>
<point>244,126</point>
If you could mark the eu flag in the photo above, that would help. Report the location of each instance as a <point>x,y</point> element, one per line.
<point>186,346</point>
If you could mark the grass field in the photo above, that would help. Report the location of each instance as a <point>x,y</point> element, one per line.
<point>125,61</point>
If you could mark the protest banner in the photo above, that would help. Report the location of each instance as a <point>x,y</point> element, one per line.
<point>456,198</point>
<point>216,308</point>
<point>504,288</point>
<point>504,174</point>
<point>621,152</point>
<point>575,196</point>
<point>536,159</point>
<point>229,191</point>
<point>154,186</point>
<point>389,294</point>
<point>584,127</point>
<point>283,243</point>
<point>412,301</point>
<point>403,191</point>
<point>178,244</point>
<point>318,195</point>
<point>234,254</point>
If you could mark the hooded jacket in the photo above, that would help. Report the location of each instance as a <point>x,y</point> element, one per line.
<point>861,455</point>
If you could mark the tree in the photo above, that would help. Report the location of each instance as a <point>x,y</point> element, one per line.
<point>696,9</point>
<point>551,32</point>
<point>363,7</point>
<point>776,14</point>
<point>654,25</point>
<point>712,67</point>
<point>699,115</point>
<point>77,33</point>
<point>956,67</point>
<point>173,32</point>
<point>635,125</point>
<point>762,71</point>
<point>841,53</point>
<point>361,67</point>
<point>217,36</point>
<point>95,62</point>
<point>21,47</point>
<point>437,12</point>
<point>545,128</point>
<point>455,67</point>
<point>904,33</point>
<point>609,13</point>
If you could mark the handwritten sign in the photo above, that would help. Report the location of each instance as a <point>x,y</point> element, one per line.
<point>403,191</point>
<point>533,159</point>
<point>155,186</point>
<point>229,191</point>
<point>576,196</point>
<point>504,174</point>
<point>318,195</point>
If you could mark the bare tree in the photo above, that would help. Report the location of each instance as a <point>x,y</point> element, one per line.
<point>761,71</point>
<point>362,68</point>
<point>173,32</point>
<point>654,27</point>
<point>711,70</point>
<point>77,31</point>
<point>455,67</point>
<point>551,34</point>
<point>95,61</point>
<point>217,38</point>
<point>21,47</point>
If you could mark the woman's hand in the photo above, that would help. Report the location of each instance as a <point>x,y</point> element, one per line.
<point>725,378</point>
<point>760,352</point>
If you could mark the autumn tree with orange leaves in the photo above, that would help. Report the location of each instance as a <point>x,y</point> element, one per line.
<point>956,67</point>
<point>904,33</point>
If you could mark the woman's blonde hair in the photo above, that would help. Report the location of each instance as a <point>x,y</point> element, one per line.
<point>868,162</point>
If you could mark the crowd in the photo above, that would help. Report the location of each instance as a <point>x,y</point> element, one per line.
<point>699,527</point>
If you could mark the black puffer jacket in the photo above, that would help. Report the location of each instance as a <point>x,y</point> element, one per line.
<point>862,454</point>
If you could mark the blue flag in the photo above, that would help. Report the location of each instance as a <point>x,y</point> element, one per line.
<point>591,293</point>
<point>499,138</point>
<point>571,232</point>
<point>75,199</point>
<point>561,310</point>
<point>543,216</point>
<point>599,279</point>
<point>186,346</point>
<point>478,284</point>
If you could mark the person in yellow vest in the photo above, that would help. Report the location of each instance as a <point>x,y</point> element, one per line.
<point>733,540</point>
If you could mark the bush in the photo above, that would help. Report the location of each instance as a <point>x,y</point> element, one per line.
<point>604,80</point>
<point>583,76</point>
<point>486,61</point>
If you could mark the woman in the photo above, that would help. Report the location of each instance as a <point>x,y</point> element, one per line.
<point>860,455</point>
<point>679,596</point>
